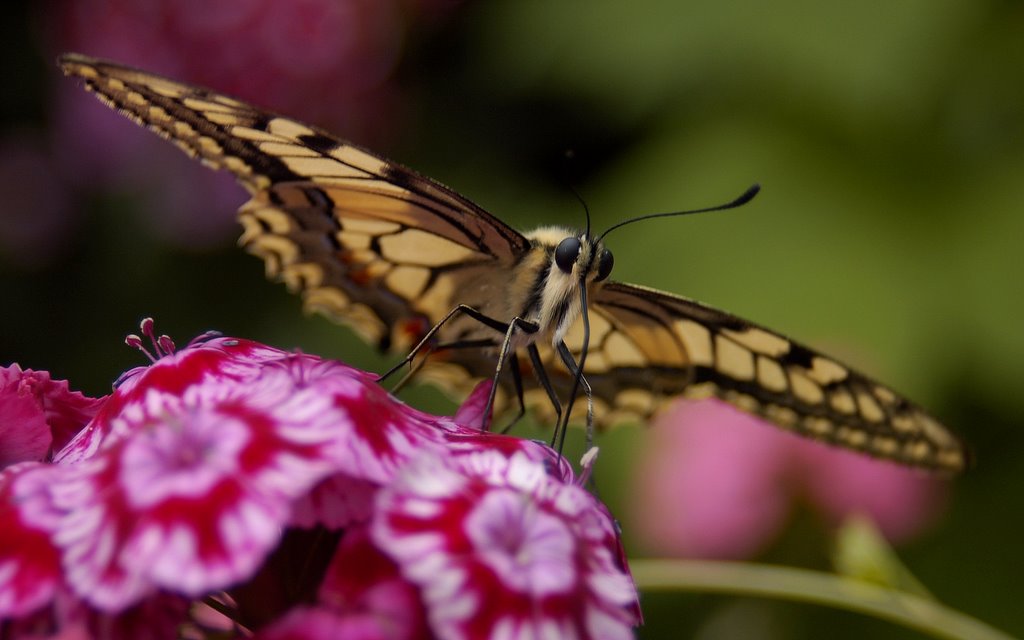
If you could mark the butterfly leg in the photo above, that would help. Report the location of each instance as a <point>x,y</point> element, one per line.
<point>416,366</point>
<point>517,382</point>
<point>497,325</point>
<point>545,382</point>
<point>509,329</point>
<point>503,354</point>
<point>570,363</point>
<point>483,343</point>
<point>517,379</point>
<point>410,374</point>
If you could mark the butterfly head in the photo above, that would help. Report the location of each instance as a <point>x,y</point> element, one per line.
<point>584,257</point>
<point>565,262</point>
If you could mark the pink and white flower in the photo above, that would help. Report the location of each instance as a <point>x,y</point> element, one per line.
<point>30,573</point>
<point>501,548</point>
<point>193,496</point>
<point>228,472</point>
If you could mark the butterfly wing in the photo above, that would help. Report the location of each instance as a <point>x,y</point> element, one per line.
<point>647,347</point>
<point>364,240</point>
<point>390,252</point>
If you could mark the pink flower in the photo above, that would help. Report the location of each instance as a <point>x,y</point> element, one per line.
<point>194,495</point>
<point>500,548</point>
<point>210,362</point>
<point>39,414</point>
<point>229,471</point>
<point>156,618</point>
<point>719,483</point>
<point>29,561</point>
<point>901,502</point>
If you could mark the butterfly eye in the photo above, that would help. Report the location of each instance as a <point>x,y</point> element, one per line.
<point>566,253</point>
<point>604,266</point>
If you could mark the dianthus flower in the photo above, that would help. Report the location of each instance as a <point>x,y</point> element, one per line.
<point>234,489</point>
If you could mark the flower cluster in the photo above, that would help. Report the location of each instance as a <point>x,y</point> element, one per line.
<point>237,490</point>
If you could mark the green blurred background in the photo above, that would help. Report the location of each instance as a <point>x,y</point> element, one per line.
<point>888,137</point>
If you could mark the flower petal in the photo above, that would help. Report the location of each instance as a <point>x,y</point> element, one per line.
<point>39,414</point>
<point>223,360</point>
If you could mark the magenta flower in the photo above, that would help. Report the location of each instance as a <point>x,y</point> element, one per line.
<point>232,488</point>
<point>193,497</point>
<point>719,483</point>
<point>40,414</point>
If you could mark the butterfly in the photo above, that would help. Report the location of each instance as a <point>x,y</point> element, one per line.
<point>407,262</point>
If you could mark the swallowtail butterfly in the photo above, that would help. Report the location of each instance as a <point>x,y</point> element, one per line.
<point>392,253</point>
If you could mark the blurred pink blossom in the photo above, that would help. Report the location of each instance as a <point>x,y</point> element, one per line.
<point>902,502</point>
<point>719,483</point>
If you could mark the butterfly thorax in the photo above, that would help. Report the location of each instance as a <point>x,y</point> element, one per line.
<point>533,288</point>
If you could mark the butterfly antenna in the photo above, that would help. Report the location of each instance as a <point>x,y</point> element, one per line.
<point>747,196</point>
<point>586,209</point>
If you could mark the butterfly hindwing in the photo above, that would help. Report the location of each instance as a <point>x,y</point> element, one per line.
<point>649,347</point>
<point>689,349</point>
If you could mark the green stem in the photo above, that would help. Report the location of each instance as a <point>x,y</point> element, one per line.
<point>828,589</point>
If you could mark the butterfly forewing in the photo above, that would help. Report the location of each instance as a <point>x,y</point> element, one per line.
<point>366,241</point>
<point>390,252</point>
